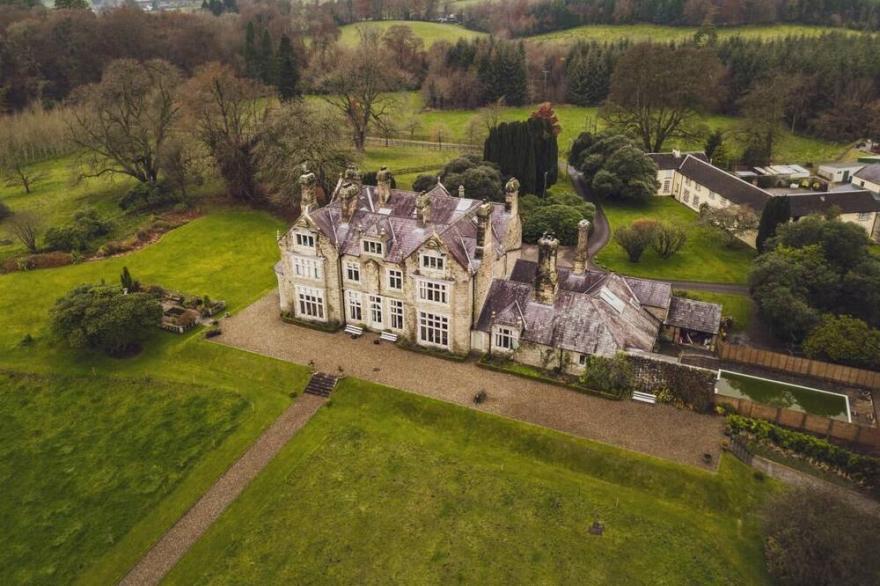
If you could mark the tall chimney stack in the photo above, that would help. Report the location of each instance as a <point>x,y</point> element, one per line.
<point>511,196</point>
<point>547,277</point>
<point>582,253</point>
<point>484,230</point>
<point>350,192</point>
<point>307,189</point>
<point>423,209</point>
<point>383,185</point>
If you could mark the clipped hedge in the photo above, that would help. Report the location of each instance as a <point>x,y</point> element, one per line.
<point>863,469</point>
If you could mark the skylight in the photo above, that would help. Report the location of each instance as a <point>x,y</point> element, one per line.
<point>611,299</point>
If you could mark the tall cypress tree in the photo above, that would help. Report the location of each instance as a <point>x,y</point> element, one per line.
<point>777,211</point>
<point>251,59</point>
<point>266,59</point>
<point>288,71</point>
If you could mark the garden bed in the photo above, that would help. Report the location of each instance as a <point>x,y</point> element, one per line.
<point>329,327</point>
<point>530,372</point>
<point>436,353</point>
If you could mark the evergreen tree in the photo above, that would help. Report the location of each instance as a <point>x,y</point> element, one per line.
<point>288,72</point>
<point>776,211</point>
<point>266,59</point>
<point>251,60</point>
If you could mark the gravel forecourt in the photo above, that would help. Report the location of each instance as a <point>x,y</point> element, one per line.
<point>658,430</point>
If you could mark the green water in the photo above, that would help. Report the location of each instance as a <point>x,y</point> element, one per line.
<point>779,394</point>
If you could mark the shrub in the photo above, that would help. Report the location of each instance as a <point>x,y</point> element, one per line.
<point>862,469</point>
<point>103,318</point>
<point>668,239</point>
<point>87,225</point>
<point>149,196</point>
<point>636,238</point>
<point>846,340</point>
<point>812,537</point>
<point>5,212</point>
<point>615,375</point>
<point>559,213</point>
<point>424,183</point>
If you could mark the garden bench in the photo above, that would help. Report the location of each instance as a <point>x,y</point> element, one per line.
<point>644,397</point>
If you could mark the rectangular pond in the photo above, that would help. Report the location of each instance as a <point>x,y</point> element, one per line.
<point>780,394</point>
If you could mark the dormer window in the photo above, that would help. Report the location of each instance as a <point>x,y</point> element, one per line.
<point>432,262</point>
<point>305,240</point>
<point>505,338</point>
<point>373,247</point>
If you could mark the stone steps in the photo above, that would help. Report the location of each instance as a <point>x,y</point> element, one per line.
<point>321,384</point>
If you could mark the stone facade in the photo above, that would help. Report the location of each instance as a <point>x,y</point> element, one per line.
<point>416,265</point>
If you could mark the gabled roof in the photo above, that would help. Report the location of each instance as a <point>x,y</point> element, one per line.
<point>452,221</point>
<point>728,186</point>
<point>648,292</point>
<point>694,315</point>
<point>668,161</point>
<point>869,173</point>
<point>849,202</point>
<point>606,320</point>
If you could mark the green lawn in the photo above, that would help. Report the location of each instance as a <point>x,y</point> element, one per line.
<point>429,32</point>
<point>83,458</point>
<point>403,158</point>
<point>385,486</point>
<point>227,255</point>
<point>739,307</point>
<point>703,258</point>
<point>667,34</point>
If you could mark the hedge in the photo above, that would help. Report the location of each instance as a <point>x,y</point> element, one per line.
<point>863,469</point>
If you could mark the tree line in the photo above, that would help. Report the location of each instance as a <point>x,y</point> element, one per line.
<point>519,18</point>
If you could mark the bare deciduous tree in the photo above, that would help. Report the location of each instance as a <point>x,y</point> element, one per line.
<point>359,84</point>
<point>124,120</point>
<point>25,227</point>
<point>647,103</point>
<point>297,133</point>
<point>226,114</point>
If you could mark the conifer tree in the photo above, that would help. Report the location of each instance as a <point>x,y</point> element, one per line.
<point>266,59</point>
<point>288,72</point>
<point>251,65</point>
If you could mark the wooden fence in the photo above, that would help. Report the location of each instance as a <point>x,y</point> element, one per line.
<point>859,437</point>
<point>837,373</point>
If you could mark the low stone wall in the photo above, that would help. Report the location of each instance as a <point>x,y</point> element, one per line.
<point>692,385</point>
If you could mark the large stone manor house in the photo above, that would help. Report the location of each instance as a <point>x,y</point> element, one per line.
<point>445,272</point>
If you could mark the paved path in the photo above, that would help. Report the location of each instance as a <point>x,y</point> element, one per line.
<point>175,543</point>
<point>794,477</point>
<point>601,228</point>
<point>660,430</point>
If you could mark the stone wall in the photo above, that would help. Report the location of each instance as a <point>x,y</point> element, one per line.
<point>693,385</point>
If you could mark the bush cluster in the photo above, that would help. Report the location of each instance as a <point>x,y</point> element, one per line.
<point>863,469</point>
<point>149,196</point>
<point>664,238</point>
<point>614,375</point>
<point>86,226</point>
<point>559,213</point>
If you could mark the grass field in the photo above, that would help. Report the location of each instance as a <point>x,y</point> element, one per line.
<point>227,255</point>
<point>385,486</point>
<point>463,126</point>
<point>429,32</point>
<point>703,258</point>
<point>667,34</point>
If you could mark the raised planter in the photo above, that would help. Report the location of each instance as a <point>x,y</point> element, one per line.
<point>330,327</point>
<point>533,373</point>
<point>444,354</point>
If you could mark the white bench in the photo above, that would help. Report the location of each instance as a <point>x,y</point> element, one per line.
<point>354,330</point>
<point>388,336</point>
<point>644,397</point>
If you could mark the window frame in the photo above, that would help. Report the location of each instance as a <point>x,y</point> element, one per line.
<point>352,267</point>
<point>305,267</point>
<point>428,290</point>
<point>432,262</point>
<point>505,338</point>
<point>301,236</point>
<point>378,245</point>
<point>432,326</point>
<point>310,303</point>
<point>353,301</point>
<point>392,275</point>
<point>395,314</point>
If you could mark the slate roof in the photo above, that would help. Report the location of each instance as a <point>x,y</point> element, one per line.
<point>452,220</point>
<point>694,315</point>
<point>849,202</point>
<point>728,186</point>
<point>869,173</point>
<point>606,319</point>
<point>668,161</point>
<point>648,292</point>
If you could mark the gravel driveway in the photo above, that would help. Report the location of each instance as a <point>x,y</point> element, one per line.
<point>659,430</point>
